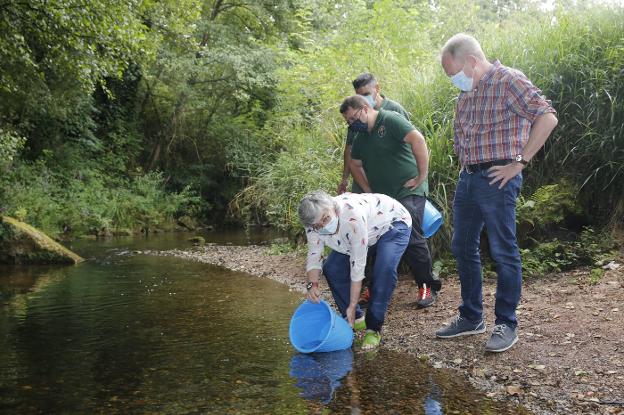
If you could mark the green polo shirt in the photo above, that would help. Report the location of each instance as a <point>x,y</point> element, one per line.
<point>388,161</point>
<point>386,104</point>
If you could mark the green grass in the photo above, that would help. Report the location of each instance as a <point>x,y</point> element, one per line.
<point>575,58</point>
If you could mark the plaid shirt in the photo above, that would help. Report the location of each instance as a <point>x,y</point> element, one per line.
<point>493,121</point>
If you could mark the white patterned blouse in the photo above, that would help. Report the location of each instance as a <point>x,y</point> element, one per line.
<point>362,220</point>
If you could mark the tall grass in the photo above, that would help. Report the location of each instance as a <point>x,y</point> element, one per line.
<point>575,58</point>
<point>578,62</point>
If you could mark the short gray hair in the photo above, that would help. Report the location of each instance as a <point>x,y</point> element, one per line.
<point>313,204</point>
<point>461,45</point>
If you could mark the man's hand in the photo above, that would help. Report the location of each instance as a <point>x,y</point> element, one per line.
<point>351,315</point>
<point>504,173</point>
<point>342,187</point>
<point>413,183</point>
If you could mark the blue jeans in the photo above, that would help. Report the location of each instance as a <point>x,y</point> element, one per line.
<point>389,249</point>
<point>477,203</point>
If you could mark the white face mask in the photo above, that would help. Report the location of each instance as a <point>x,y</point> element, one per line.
<point>462,81</point>
<point>330,228</point>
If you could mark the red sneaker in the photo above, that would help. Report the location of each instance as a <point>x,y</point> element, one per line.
<point>426,297</point>
<point>364,296</point>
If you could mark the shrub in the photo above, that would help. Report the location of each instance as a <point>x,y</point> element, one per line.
<point>90,202</point>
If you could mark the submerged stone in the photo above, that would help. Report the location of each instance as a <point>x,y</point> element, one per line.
<point>21,243</point>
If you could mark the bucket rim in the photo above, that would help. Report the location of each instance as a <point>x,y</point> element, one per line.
<point>327,335</point>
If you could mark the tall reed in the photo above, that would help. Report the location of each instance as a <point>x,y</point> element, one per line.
<point>575,58</point>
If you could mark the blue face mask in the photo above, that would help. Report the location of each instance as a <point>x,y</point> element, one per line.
<point>358,126</point>
<point>461,81</point>
<point>371,100</point>
<point>330,228</point>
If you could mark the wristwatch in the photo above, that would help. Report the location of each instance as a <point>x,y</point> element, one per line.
<point>520,159</point>
<point>311,284</point>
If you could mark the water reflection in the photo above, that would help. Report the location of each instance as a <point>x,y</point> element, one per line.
<point>432,405</point>
<point>319,374</point>
<point>386,382</point>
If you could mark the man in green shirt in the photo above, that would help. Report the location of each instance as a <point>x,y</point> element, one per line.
<point>390,156</point>
<point>367,86</point>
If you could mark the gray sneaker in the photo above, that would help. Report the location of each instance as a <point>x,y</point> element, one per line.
<point>503,337</point>
<point>460,327</point>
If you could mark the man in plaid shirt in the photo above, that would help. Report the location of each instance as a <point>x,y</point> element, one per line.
<point>501,122</point>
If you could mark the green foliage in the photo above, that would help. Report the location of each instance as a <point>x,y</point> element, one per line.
<point>10,144</point>
<point>281,248</point>
<point>52,56</point>
<point>558,255</point>
<point>276,193</point>
<point>106,88</point>
<point>576,58</point>
<point>237,100</point>
<point>89,202</point>
<point>584,156</point>
<point>547,209</point>
<point>595,275</point>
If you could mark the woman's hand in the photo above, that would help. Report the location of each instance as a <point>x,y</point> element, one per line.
<point>351,315</point>
<point>314,294</point>
<point>354,296</point>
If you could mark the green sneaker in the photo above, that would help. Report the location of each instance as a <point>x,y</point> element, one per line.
<point>360,324</point>
<point>371,340</point>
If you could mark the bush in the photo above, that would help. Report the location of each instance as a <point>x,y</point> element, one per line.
<point>551,209</point>
<point>588,248</point>
<point>90,202</point>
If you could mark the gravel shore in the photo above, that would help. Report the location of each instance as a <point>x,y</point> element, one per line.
<point>570,357</point>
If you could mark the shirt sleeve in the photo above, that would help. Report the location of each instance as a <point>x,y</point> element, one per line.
<point>315,251</point>
<point>359,245</point>
<point>525,99</point>
<point>401,125</point>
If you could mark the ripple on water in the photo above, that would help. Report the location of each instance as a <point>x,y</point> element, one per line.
<point>134,333</point>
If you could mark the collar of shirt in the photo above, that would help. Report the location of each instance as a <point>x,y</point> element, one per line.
<point>486,76</point>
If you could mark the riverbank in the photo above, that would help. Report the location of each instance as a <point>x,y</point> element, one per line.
<point>570,357</point>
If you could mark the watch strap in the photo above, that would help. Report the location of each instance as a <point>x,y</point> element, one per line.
<point>520,159</point>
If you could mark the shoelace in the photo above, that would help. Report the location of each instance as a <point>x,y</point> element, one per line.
<point>458,318</point>
<point>499,330</point>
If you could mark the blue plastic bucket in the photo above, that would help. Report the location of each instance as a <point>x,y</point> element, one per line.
<point>318,374</point>
<point>318,328</point>
<point>432,220</point>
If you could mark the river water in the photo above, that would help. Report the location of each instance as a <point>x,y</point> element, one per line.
<point>129,333</point>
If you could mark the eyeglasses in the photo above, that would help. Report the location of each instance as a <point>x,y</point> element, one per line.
<point>355,117</point>
<point>324,221</point>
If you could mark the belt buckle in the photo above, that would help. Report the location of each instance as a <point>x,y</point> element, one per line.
<point>468,170</point>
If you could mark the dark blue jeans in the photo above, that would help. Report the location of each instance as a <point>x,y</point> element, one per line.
<point>477,204</point>
<point>388,249</point>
